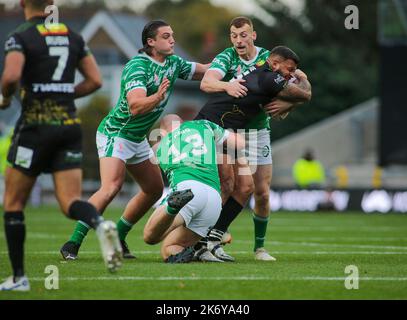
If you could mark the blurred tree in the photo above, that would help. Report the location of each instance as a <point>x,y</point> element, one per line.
<point>91,115</point>
<point>341,64</point>
<point>199,26</point>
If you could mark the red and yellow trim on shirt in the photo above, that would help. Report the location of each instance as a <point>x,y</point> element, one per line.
<point>53,29</point>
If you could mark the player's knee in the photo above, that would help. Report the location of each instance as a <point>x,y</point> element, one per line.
<point>245,189</point>
<point>111,190</point>
<point>227,186</point>
<point>149,238</point>
<point>13,206</point>
<point>154,191</point>
<point>262,197</point>
<point>14,202</point>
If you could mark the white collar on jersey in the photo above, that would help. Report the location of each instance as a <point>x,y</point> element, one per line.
<point>248,62</point>
<point>153,60</point>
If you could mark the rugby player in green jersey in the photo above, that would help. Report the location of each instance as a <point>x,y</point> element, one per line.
<point>237,188</point>
<point>187,156</point>
<point>146,85</point>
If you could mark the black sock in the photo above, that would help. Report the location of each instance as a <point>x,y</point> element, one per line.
<point>230,211</point>
<point>15,235</point>
<point>201,243</point>
<point>86,212</point>
<point>215,235</point>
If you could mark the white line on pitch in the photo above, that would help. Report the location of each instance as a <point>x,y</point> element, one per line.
<point>314,244</point>
<point>234,278</point>
<point>339,228</point>
<point>242,252</point>
<point>363,238</point>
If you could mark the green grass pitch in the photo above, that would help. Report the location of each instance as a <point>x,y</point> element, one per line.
<point>312,251</point>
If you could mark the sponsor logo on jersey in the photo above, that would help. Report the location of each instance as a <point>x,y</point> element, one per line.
<point>279,79</point>
<point>218,61</point>
<point>266,151</point>
<point>11,44</point>
<point>260,63</point>
<point>134,84</point>
<point>73,157</point>
<point>241,75</point>
<point>170,72</point>
<point>54,87</point>
<point>57,41</point>
<point>53,29</point>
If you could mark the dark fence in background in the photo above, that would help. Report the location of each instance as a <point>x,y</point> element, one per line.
<point>393,113</point>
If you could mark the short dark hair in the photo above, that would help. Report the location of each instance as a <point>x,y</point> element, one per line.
<point>150,31</point>
<point>285,53</point>
<point>239,22</point>
<point>38,4</point>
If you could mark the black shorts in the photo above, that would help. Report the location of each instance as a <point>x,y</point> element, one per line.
<point>37,149</point>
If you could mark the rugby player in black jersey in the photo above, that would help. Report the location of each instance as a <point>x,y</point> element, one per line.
<point>42,58</point>
<point>278,78</point>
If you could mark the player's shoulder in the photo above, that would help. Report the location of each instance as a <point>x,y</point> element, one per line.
<point>138,61</point>
<point>263,51</point>
<point>262,56</point>
<point>175,59</point>
<point>40,27</point>
<point>205,124</point>
<point>228,53</point>
<point>21,29</point>
<point>16,38</point>
<point>225,59</point>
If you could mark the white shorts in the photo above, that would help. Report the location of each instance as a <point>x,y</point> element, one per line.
<point>258,147</point>
<point>202,212</point>
<point>128,151</point>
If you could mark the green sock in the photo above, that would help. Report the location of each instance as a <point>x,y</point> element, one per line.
<point>260,228</point>
<point>80,232</point>
<point>123,228</point>
<point>171,211</point>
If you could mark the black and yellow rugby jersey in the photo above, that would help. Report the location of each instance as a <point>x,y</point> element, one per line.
<point>52,54</point>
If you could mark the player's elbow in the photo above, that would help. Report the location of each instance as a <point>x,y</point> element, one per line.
<point>135,109</point>
<point>304,97</point>
<point>96,83</point>
<point>10,79</point>
<point>204,86</point>
<point>135,105</point>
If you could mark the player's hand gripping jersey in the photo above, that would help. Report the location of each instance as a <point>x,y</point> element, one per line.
<point>230,65</point>
<point>235,113</point>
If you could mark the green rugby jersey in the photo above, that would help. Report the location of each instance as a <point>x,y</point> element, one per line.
<point>143,72</point>
<point>230,65</point>
<point>189,153</point>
